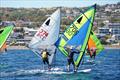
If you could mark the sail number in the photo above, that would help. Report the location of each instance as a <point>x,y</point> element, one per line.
<point>42,34</point>
<point>72,30</point>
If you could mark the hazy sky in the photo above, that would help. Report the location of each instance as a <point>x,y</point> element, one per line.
<point>53,3</point>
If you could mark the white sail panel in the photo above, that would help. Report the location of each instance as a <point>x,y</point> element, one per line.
<point>48,32</point>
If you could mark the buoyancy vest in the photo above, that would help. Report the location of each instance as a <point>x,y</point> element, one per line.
<point>44,54</point>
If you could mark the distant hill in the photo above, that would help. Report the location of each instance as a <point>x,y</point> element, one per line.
<point>34,17</point>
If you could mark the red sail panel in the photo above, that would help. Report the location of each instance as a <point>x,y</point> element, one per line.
<point>3,47</point>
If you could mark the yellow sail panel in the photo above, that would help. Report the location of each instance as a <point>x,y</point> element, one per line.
<point>83,18</point>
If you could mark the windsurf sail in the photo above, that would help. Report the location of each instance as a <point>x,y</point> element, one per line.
<point>4,34</point>
<point>77,34</point>
<point>47,35</point>
<point>95,43</point>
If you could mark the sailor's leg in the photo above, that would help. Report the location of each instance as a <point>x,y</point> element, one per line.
<point>44,61</point>
<point>94,55</point>
<point>5,49</point>
<point>48,63</point>
<point>43,64</point>
<point>68,65</point>
<point>74,66</point>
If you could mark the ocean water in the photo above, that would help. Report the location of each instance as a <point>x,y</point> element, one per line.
<point>25,65</point>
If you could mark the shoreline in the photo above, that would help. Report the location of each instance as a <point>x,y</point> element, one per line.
<point>112,46</point>
<point>17,47</point>
<point>25,48</point>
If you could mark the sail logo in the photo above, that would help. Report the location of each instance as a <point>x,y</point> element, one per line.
<point>42,34</point>
<point>72,30</point>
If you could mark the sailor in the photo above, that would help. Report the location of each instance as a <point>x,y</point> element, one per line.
<point>5,49</point>
<point>70,58</point>
<point>88,52</point>
<point>45,55</point>
<point>93,51</point>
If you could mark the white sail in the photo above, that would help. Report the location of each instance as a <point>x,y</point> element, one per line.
<point>47,35</point>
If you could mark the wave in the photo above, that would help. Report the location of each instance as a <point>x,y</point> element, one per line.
<point>39,71</point>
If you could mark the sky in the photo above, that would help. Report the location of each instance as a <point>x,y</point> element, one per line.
<point>53,3</point>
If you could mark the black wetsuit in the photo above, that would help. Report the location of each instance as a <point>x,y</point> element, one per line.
<point>94,53</point>
<point>71,55</point>
<point>5,49</point>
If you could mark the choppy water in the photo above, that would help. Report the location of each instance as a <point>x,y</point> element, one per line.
<point>25,65</point>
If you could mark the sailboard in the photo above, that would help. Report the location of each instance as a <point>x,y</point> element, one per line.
<point>47,35</point>
<point>78,34</point>
<point>52,71</point>
<point>4,34</point>
<point>95,43</point>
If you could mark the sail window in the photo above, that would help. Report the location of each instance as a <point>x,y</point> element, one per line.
<point>1,31</point>
<point>79,20</point>
<point>48,22</point>
<point>91,32</point>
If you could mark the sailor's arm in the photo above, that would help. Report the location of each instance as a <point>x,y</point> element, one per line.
<point>48,54</point>
<point>78,51</point>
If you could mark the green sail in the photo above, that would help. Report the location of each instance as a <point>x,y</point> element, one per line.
<point>94,42</point>
<point>4,34</point>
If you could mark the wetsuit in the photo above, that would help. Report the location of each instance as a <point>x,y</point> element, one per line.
<point>5,49</point>
<point>94,53</point>
<point>70,58</point>
<point>88,52</point>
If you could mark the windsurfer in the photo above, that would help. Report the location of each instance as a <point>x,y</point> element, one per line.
<point>88,52</point>
<point>70,58</point>
<point>45,55</point>
<point>5,49</point>
<point>93,51</point>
